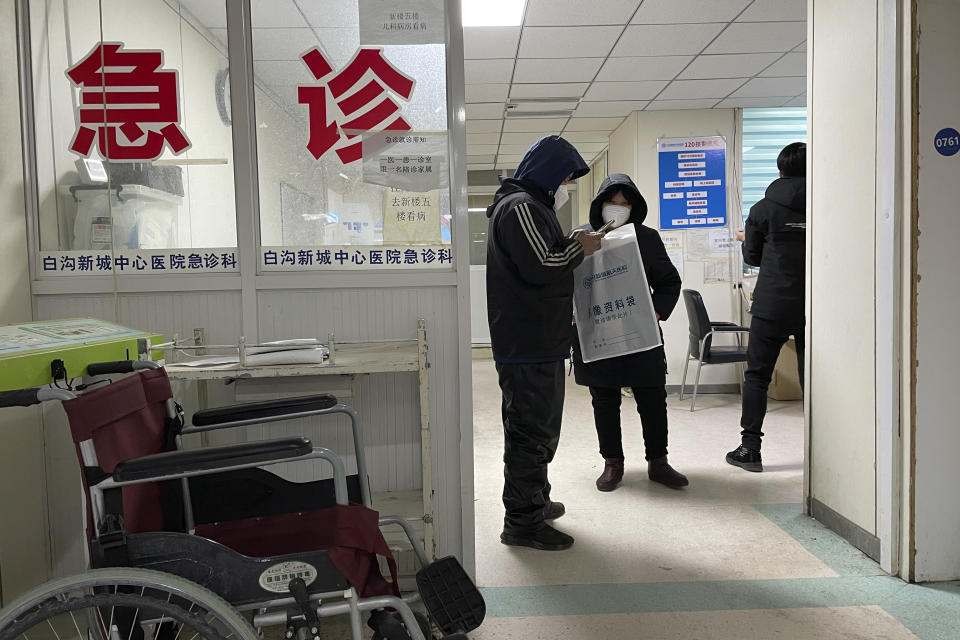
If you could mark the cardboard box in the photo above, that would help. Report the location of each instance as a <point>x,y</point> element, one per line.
<point>785,383</point>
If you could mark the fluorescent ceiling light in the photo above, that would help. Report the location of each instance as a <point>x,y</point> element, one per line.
<point>492,13</point>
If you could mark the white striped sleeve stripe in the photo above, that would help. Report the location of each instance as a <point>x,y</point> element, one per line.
<point>539,245</point>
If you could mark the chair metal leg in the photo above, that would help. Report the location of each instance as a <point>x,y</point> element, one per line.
<point>683,380</point>
<point>696,385</point>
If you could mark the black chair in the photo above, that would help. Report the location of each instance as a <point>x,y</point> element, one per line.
<point>701,346</point>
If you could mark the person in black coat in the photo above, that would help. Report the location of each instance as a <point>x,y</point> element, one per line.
<point>530,263</point>
<point>644,372</point>
<point>774,239</point>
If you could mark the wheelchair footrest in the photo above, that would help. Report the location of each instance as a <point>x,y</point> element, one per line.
<point>451,598</point>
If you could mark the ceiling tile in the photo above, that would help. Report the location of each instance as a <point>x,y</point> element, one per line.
<point>625,90</point>
<point>762,87</point>
<point>520,138</point>
<point>486,92</point>
<point>643,68</point>
<point>587,136</point>
<point>747,103</point>
<point>659,105</point>
<point>500,166</point>
<point>666,39</point>
<point>484,126</point>
<point>275,13</point>
<point>593,124</point>
<point>560,91</point>
<point>567,12</point>
<point>328,13</point>
<point>516,148</point>
<point>775,10</point>
<point>490,42</point>
<point>210,14</point>
<point>481,159</point>
<point>755,37</point>
<point>611,108</point>
<point>700,89</point>
<point>591,147</point>
<point>479,167</point>
<point>737,65</point>
<point>675,11</point>
<point>483,138</point>
<point>293,72</point>
<point>481,149</point>
<point>540,125</point>
<point>792,64</point>
<point>515,158</point>
<point>488,71</point>
<point>802,47</point>
<point>799,101</point>
<point>556,69</point>
<point>558,42</point>
<point>282,44</point>
<point>485,111</point>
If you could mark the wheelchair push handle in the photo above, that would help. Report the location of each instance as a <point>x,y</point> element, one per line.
<point>19,398</point>
<point>119,366</point>
<point>30,397</point>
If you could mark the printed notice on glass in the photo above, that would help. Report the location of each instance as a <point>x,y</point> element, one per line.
<point>409,161</point>
<point>721,241</point>
<point>401,22</point>
<point>410,217</point>
<point>693,191</point>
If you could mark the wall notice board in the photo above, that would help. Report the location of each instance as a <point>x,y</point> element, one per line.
<point>693,189</point>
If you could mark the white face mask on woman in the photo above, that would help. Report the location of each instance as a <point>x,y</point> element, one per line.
<point>560,197</point>
<point>617,213</point>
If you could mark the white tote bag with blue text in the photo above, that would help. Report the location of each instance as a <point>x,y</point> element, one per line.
<point>611,300</point>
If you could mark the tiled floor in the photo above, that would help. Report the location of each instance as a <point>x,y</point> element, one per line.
<point>731,556</point>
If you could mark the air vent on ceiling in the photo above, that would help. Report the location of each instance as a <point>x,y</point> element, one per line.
<point>566,113</point>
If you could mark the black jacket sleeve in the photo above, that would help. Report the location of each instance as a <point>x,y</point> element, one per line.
<point>538,249</point>
<point>755,235</point>
<point>662,276</point>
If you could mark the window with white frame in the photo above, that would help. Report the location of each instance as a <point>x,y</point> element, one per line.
<point>133,143</point>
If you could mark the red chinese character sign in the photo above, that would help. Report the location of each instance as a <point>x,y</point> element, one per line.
<point>365,107</point>
<point>127,91</point>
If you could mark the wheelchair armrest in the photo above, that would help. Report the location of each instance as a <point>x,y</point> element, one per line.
<point>176,463</point>
<point>265,411</point>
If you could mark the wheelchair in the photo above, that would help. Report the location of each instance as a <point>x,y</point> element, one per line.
<point>206,543</point>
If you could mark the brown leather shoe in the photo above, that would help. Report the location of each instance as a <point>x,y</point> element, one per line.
<point>612,474</point>
<point>660,471</point>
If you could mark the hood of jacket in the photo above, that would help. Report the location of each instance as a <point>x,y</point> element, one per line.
<point>545,165</point>
<point>789,192</point>
<point>611,184</point>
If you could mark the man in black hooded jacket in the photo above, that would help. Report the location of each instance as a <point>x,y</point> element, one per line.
<point>530,263</point>
<point>774,240</point>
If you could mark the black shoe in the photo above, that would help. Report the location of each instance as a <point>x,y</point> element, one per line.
<point>744,458</point>
<point>546,539</point>
<point>553,510</point>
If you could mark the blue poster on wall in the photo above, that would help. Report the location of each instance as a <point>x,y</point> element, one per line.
<point>693,189</point>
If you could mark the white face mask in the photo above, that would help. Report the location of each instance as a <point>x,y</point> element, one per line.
<point>618,213</point>
<point>560,197</point>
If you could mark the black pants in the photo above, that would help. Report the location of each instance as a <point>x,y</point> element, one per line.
<point>532,411</point>
<point>766,339</point>
<point>652,407</point>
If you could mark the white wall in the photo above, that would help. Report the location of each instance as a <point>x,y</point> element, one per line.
<point>633,150</point>
<point>24,556</point>
<point>937,510</point>
<point>841,259</point>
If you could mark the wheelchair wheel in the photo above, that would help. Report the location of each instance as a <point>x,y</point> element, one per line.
<point>122,604</point>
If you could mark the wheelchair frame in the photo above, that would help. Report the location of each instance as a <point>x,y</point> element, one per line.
<point>270,611</point>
